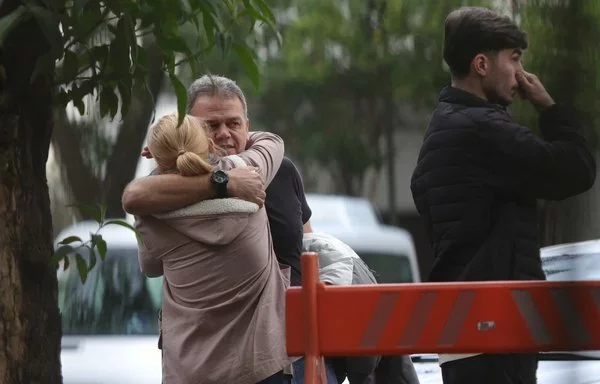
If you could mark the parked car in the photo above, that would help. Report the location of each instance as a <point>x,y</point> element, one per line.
<point>110,327</point>
<point>388,250</point>
<point>342,211</point>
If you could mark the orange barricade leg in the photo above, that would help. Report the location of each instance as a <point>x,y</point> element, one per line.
<point>314,364</point>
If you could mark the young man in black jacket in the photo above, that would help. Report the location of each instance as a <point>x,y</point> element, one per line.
<point>479,173</point>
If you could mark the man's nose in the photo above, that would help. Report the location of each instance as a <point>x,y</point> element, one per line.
<point>520,67</point>
<point>221,132</point>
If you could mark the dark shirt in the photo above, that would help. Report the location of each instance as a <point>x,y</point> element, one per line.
<point>288,211</point>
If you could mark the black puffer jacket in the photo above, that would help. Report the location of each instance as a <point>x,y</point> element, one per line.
<point>477,180</point>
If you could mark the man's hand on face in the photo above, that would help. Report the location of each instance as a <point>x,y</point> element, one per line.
<point>533,90</point>
<point>246,183</point>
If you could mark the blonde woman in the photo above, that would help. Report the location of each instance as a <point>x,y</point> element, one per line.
<point>223,293</point>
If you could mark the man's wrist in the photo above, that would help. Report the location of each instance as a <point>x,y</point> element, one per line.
<point>231,187</point>
<point>220,180</point>
<point>545,104</point>
<point>206,189</point>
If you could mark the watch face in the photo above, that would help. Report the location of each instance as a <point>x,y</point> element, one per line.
<point>219,177</point>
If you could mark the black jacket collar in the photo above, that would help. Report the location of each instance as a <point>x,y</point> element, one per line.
<point>454,95</point>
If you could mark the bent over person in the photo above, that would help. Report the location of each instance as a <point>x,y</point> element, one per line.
<point>479,173</point>
<point>223,313</point>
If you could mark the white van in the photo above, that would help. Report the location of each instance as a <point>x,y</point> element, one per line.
<point>342,211</point>
<point>388,250</point>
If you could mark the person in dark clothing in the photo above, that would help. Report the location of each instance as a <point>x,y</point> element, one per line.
<point>479,173</point>
<point>288,213</point>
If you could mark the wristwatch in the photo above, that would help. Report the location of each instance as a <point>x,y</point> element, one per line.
<point>219,179</point>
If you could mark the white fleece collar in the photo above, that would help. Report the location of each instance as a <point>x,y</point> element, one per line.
<point>237,161</point>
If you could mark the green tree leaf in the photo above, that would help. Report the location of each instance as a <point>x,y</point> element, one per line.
<point>100,244</point>
<point>94,212</point>
<point>66,263</point>
<point>61,253</point>
<point>82,267</point>
<point>70,239</point>
<point>92,259</point>
<point>245,55</point>
<point>181,93</point>
<point>102,213</point>
<point>70,67</point>
<point>78,103</point>
<point>177,44</point>
<point>109,102</point>
<point>266,11</point>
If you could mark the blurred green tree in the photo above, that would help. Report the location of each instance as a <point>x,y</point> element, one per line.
<point>347,73</point>
<point>49,57</point>
<point>564,53</point>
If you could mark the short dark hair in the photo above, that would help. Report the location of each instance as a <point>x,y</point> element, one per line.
<point>469,31</point>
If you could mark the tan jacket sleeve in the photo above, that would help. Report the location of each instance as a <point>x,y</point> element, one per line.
<point>265,152</point>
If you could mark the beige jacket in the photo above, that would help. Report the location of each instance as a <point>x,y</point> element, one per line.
<point>223,315</point>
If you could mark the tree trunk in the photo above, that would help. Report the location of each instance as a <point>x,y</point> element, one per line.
<point>30,327</point>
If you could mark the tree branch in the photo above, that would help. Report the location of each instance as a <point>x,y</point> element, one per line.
<point>67,142</point>
<point>123,161</point>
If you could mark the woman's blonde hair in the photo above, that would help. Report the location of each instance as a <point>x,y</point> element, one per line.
<point>183,149</point>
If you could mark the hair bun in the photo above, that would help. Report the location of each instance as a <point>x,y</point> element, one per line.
<point>181,152</point>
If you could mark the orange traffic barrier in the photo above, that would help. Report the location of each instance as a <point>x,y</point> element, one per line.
<point>393,319</point>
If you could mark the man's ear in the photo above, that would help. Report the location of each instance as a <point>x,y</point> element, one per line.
<point>247,129</point>
<point>481,64</point>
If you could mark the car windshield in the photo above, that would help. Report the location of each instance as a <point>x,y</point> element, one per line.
<point>388,269</point>
<point>333,212</point>
<point>116,299</point>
